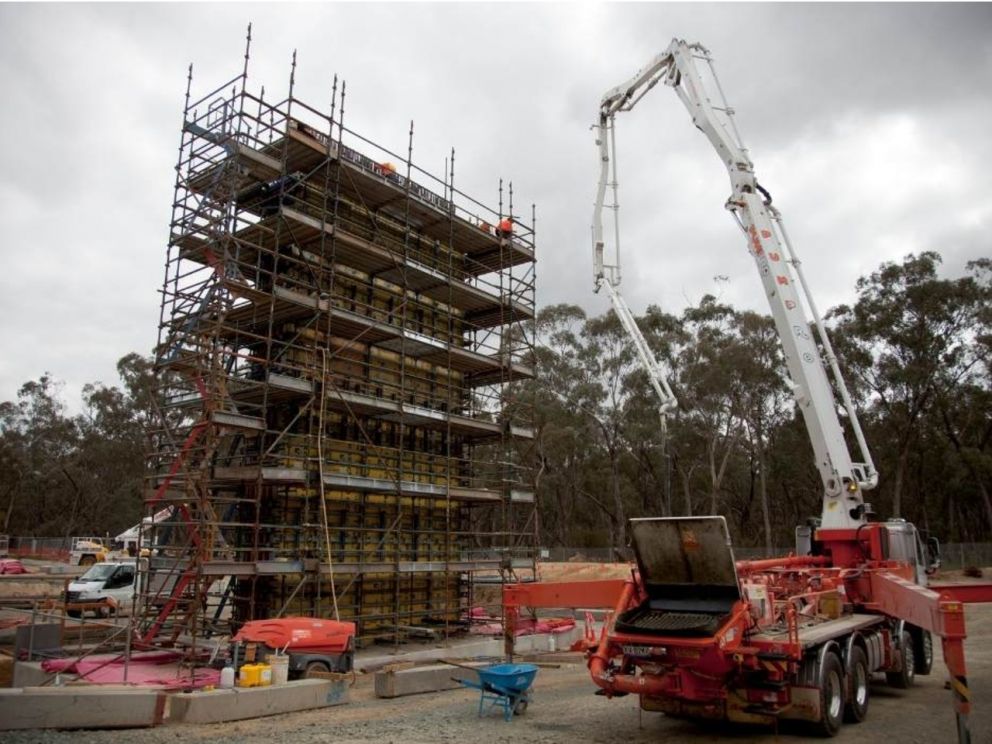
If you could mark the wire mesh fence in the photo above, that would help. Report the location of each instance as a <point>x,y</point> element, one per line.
<point>50,548</point>
<point>953,555</point>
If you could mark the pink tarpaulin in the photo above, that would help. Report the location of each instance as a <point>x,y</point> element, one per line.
<point>527,626</point>
<point>144,674</point>
<point>69,665</point>
<point>148,669</point>
<point>12,566</point>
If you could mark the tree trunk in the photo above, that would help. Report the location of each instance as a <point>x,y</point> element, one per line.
<point>686,478</point>
<point>898,480</point>
<point>621,520</point>
<point>713,476</point>
<point>970,466</point>
<point>716,474</point>
<point>561,518</point>
<point>763,494</point>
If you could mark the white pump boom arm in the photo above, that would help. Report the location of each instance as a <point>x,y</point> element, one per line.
<point>769,245</point>
<point>609,276</point>
<point>656,374</point>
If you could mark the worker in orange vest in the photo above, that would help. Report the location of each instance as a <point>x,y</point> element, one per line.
<point>506,227</point>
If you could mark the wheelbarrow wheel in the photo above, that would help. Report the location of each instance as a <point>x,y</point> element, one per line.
<point>520,707</point>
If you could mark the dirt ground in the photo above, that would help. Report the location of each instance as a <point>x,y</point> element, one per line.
<point>565,710</point>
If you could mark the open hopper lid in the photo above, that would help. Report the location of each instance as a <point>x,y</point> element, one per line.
<point>685,552</point>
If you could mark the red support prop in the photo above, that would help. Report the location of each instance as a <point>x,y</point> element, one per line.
<point>931,611</point>
<point>967,593</point>
<point>574,594</point>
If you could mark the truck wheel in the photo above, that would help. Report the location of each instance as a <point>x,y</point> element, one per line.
<point>316,667</point>
<point>922,652</point>
<point>907,674</point>
<point>830,682</point>
<point>857,686</point>
<point>87,560</point>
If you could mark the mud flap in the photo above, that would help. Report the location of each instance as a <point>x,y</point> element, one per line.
<point>805,704</point>
<point>739,710</point>
<point>714,710</point>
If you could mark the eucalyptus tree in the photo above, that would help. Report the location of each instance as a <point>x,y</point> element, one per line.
<point>709,425</point>
<point>764,399</point>
<point>906,339</point>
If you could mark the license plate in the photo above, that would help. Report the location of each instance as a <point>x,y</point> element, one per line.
<point>631,650</point>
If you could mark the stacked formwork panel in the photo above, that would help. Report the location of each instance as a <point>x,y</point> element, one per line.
<point>343,353</point>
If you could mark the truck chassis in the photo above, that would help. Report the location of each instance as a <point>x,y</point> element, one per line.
<point>695,634</point>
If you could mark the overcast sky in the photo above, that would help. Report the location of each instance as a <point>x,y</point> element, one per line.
<point>870,124</point>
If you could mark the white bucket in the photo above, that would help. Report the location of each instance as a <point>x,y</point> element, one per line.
<point>280,669</point>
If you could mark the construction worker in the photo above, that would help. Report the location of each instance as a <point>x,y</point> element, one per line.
<point>506,227</point>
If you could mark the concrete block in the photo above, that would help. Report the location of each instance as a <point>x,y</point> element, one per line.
<point>473,649</point>
<point>38,641</point>
<point>30,674</point>
<point>216,706</point>
<point>569,657</point>
<point>108,706</point>
<point>397,683</point>
<point>546,642</point>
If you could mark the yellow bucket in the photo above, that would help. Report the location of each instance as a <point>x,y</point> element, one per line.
<point>255,675</point>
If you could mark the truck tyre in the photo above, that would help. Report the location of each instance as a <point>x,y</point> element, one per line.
<point>922,651</point>
<point>87,560</point>
<point>316,667</point>
<point>907,673</point>
<point>830,683</point>
<point>856,708</point>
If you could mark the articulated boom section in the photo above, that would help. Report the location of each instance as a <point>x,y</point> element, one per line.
<point>656,375</point>
<point>843,479</point>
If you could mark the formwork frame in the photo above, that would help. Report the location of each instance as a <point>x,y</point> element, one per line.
<point>343,422</point>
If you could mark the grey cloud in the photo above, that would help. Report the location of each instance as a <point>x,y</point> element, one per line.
<point>94,95</point>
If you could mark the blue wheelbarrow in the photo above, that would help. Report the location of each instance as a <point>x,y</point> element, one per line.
<point>507,686</point>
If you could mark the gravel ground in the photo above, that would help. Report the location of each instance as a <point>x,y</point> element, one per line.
<point>564,710</point>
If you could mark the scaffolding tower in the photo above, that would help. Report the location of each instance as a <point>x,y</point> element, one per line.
<point>344,420</point>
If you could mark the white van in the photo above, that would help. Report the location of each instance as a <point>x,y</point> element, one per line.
<point>110,583</point>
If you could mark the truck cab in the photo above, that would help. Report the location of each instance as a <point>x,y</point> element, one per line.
<point>110,584</point>
<point>905,543</point>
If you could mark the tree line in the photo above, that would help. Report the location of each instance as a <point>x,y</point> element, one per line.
<point>64,474</point>
<point>914,348</point>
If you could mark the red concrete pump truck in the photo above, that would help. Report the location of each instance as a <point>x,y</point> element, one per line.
<point>696,634</point>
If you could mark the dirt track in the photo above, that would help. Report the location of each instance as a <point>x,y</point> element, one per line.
<point>566,711</point>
